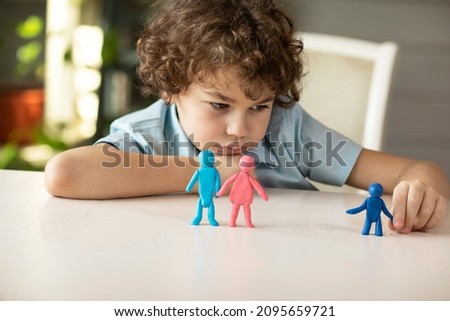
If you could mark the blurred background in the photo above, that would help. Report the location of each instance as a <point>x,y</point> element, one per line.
<point>67,69</point>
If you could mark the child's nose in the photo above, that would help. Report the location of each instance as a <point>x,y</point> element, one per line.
<point>237,126</point>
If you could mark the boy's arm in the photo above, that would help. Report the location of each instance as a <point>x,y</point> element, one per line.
<point>420,190</point>
<point>102,172</point>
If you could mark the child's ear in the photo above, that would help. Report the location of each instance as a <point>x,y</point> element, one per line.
<point>167,98</point>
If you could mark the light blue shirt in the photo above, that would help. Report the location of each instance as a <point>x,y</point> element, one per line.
<point>295,147</point>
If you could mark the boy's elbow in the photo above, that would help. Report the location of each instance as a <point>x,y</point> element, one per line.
<point>59,176</point>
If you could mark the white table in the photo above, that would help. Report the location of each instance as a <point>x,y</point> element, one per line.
<point>304,248</point>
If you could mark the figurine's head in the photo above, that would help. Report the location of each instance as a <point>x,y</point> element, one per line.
<point>247,163</point>
<point>206,158</point>
<point>376,190</point>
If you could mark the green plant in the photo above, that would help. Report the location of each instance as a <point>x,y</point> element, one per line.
<point>12,155</point>
<point>29,55</point>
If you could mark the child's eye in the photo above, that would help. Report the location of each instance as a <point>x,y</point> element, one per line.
<point>260,107</point>
<point>219,105</point>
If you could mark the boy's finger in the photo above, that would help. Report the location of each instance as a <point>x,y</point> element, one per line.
<point>414,200</point>
<point>440,210</point>
<point>399,198</point>
<point>391,226</point>
<point>426,210</point>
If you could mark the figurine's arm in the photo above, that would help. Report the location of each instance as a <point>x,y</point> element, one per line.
<point>192,181</point>
<point>257,186</point>
<point>218,183</point>
<point>226,184</point>
<point>387,213</point>
<point>358,209</point>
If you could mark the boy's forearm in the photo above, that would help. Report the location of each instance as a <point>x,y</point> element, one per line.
<point>102,172</point>
<point>390,170</point>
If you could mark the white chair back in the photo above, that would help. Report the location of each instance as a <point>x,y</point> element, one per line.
<point>347,85</point>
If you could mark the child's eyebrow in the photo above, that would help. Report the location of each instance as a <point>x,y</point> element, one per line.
<point>271,98</point>
<point>220,96</point>
<point>231,100</point>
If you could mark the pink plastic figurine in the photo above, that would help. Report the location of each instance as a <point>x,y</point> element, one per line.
<point>242,191</point>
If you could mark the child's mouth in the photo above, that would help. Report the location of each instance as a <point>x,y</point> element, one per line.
<point>237,149</point>
<point>232,149</point>
<point>228,151</point>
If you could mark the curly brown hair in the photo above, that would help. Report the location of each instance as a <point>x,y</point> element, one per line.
<point>190,40</point>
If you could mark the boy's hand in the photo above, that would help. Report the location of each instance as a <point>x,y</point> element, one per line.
<point>416,206</point>
<point>420,189</point>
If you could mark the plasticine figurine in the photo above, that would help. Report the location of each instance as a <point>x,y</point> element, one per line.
<point>242,191</point>
<point>373,206</point>
<point>208,184</point>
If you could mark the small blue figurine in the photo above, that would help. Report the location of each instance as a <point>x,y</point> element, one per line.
<point>373,206</point>
<point>208,185</point>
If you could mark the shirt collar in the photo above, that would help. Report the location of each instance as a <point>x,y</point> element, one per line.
<point>179,142</point>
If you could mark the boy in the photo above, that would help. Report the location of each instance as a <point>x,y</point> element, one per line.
<point>228,73</point>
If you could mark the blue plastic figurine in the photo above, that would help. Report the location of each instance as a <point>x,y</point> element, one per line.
<point>373,206</point>
<point>208,185</point>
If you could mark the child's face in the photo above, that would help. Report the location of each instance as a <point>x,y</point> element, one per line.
<point>219,117</point>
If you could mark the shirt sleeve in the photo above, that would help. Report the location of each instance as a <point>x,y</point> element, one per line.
<point>297,148</point>
<point>329,156</point>
<point>141,131</point>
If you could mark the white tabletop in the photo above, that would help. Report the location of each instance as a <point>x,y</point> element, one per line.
<point>304,247</point>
